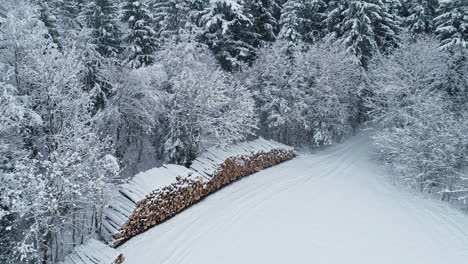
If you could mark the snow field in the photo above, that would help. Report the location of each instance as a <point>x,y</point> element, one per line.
<point>331,206</point>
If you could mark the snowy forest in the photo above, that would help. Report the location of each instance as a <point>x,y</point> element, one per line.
<point>94,91</point>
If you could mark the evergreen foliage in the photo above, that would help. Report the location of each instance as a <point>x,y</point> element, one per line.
<point>101,17</point>
<point>140,38</point>
<point>421,14</point>
<point>230,34</point>
<point>452,23</point>
<point>364,27</point>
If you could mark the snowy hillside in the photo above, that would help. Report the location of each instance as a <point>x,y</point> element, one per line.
<point>94,92</point>
<point>332,206</point>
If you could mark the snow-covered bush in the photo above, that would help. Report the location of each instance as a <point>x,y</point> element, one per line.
<point>54,181</point>
<point>422,134</point>
<point>333,95</point>
<point>172,110</point>
<point>204,105</point>
<point>309,98</point>
<point>429,151</point>
<point>131,117</point>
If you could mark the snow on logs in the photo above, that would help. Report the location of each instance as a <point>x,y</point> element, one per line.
<point>94,252</point>
<point>158,194</point>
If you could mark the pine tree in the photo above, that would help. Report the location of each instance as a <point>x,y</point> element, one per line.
<point>455,79</point>
<point>394,6</point>
<point>228,31</point>
<point>140,38</point>
<point>364,27</point>
<point>50,21</point>
<point>452,23</point>
<point>421,14</point>
<point>101,17</point>
<point>304,20</point>
<point>315,14</point>
<point>61,17</point>
<point>264,21</point>
<point>171,18</point>
<point>3,14</point>
<point>291,21</point>
<point>196,11</point>
<point>68,13</point>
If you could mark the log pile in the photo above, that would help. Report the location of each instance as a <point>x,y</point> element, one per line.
<point>162,204</point>
<point>119,260</point>
<point>170,200</point>
<point>235,168</point>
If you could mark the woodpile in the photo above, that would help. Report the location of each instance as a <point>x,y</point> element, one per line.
<point>120,259</point>
<point>170,200</point>
<point>236,168</point>
<point>161,205</point>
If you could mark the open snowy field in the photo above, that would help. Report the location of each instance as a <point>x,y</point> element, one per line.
<point>333,206</point>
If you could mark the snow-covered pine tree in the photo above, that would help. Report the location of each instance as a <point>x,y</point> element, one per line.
<point>394,6</point>
<point>263,18</point>
<point>420,16</point>
<point>68,12</point>
<point>315,14</point>
<point>50,21</point>
<point>196,12</point>
<point>102,46</point>
<point>140,39</point>
<point>303,20</point>
<point>291,21</point>
<point>229,32</point>
<point>456,78</point>
<point>363,27</point>
<point>101,17</point>
<point>61,19</point>
<point>170,18</point>
<point>452,23</point>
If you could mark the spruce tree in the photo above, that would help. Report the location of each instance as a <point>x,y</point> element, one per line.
<point>363,27</point>
<point>140,38</point>
<point>61,17</point>
<point>229,32</point>
<point>196,11</point>
<point>102,48</point>
<point>452,23</point>
<point>291,21</point>
<point>171,17</point>
<point>303,20</point>
<point>394,6</point>
<point>50,21</point>
<point>264,21</point>
<point>315,14</point>
<point>421,14</point>
<point>3,14</point>
<point>101,17</point>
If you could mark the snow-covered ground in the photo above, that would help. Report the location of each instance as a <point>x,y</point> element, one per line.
<point>334,206</point>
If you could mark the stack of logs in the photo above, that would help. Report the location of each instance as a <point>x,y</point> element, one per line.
<point>119,260</point>
<point>171,200</point>
<point>235,168</point>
